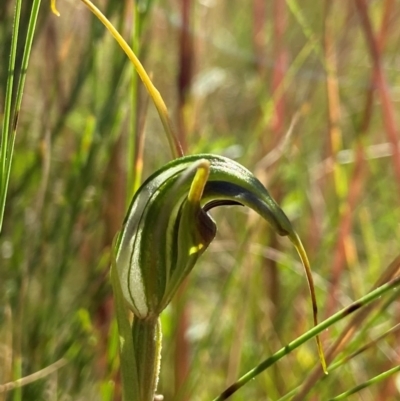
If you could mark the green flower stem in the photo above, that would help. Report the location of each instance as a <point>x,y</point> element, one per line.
<point>129,375</point>
<point>146,335</point>
<point>373,295</point>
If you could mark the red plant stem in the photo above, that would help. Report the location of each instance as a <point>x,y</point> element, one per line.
<point>346,222</point>
<point>271,272</point>
<point>332,88</point>
<point>373,44</point>
<point>335,145</point>
<point>357,179</point>
<point>388,389</point>
<point>344,233</point>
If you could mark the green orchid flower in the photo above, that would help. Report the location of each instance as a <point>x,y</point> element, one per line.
<point>168,226</point>
<point>166,230</point>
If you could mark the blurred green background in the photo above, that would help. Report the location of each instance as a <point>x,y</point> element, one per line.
<point>305,94</point>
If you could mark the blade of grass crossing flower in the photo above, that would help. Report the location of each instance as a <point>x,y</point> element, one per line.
<point>365,300</point>
<point>135,140</point>
<point>153,92</point>
<point>130,381</point>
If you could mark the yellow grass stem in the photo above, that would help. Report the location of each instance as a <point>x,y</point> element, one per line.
<point>54,8</point>
<point>153,92</point>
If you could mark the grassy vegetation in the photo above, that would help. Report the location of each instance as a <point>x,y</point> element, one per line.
<point>304,94</point>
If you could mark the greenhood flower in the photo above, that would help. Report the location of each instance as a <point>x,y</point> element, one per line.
<point>168,227</point>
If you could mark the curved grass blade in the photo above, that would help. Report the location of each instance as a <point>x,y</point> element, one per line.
<point>153,92</point>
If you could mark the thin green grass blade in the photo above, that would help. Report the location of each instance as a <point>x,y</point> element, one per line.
<point>5,153</point>
<point>129,373</point>
<point>366,384</point>
<point>365,347</point>
<point>373,295</point>
<point>25,58</point>
<point>347,358</point>
<point>308,32</point>
<point>9,131</point>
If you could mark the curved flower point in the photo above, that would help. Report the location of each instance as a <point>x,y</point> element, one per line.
<point>168,227</point>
